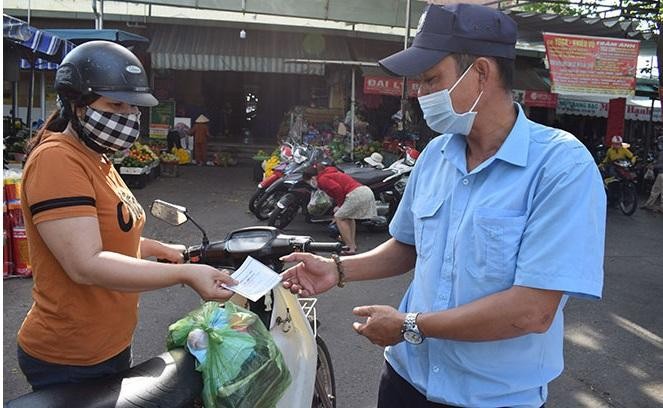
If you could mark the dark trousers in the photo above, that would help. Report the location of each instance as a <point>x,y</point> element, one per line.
<point>41,374</point>
<point>395,392</point>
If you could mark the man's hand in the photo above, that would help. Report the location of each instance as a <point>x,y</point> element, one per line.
<point>383,324</point>
<point>311,276</point>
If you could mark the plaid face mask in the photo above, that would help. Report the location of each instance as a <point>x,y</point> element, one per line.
<point>111,132</point>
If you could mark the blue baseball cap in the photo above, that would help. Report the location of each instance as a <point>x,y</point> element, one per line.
<point>455,29</point>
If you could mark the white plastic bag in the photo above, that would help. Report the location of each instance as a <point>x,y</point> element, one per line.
<point>320,203</point>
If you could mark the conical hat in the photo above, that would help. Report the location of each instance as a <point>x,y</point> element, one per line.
<point>202,119</point>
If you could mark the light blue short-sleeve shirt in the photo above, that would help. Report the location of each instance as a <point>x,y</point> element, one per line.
<point>532,215</point>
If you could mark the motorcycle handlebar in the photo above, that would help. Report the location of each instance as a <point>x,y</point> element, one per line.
<point>279,247</point>
<point>323,247</point>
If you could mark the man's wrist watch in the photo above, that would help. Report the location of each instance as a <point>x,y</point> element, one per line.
<point>410,330</point>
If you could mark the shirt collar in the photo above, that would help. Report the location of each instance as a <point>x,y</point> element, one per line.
<point>513,150</point>
<point>516,145</point>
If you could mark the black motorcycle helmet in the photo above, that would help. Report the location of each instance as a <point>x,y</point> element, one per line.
<point>103,68</point>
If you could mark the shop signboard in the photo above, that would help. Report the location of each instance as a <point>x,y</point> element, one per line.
<point>540,99</point>
<point>161,119</point>
<point>636,112</point>
<point>585,65</point>
<point>583,108</point>
<point>383,85</point>
<point>567,106</point>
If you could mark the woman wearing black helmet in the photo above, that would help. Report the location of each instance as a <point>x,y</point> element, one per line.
<point>84,226</point>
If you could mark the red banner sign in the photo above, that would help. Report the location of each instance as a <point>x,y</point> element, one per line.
<point>582,65</point>
<point>616,113</point>
<point>389,86</point>
<point>540,99</point>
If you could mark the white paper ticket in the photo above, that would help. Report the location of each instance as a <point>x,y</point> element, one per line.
<point>255,279</point>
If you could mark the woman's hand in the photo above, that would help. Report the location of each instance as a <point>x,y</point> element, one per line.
<point>173,253</point>
<point>207,281</point>
<point>312,275</point>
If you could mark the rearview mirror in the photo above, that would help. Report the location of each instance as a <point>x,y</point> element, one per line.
<point>170,213</point>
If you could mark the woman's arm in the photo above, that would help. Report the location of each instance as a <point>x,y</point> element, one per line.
<point>170,252</point>
<point>76,244</point>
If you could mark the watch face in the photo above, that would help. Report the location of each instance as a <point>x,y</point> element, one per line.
<point>412,337</point>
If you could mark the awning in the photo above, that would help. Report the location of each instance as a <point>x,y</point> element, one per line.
<point>222,49</point>
<point>45,45</point>
<point>531,26</point>
<point>44,48</point>
<point>79,36</point>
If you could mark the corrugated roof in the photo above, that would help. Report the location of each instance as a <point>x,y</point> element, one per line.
<point>222,49</point>
<point>532,25</point>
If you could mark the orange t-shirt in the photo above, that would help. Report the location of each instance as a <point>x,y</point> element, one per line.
<point>70,323</point>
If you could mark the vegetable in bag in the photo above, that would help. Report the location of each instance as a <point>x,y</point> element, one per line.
<point>320,203</point>
<point>239,361</point>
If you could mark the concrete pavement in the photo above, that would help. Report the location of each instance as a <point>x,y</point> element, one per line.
<point>613,348</point>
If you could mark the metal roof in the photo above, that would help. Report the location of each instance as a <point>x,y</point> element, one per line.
<point>222,49</point>
<point>532,25</point>
<point>391,13</point>
<point>81,35</point>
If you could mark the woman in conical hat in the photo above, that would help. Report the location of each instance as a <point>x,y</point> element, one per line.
<point>200,132</point>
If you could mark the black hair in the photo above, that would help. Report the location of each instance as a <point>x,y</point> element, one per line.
<point>505,66</point>
<point>58,120</point>
<point>309,172</point>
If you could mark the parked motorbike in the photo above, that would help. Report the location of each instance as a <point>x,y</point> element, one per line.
<point>621,189</point>
<point>287,165</point>
<point>269,194</point>
<point>170,379</point>
<point>387,186</point>
<point>640,169</point>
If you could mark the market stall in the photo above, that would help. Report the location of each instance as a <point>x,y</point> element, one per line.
<point>138,165</point>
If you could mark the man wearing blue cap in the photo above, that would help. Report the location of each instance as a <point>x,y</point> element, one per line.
<point>502,220</point>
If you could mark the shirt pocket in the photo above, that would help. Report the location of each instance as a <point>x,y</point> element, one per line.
<point>424,212</point>
<point>497,237</point>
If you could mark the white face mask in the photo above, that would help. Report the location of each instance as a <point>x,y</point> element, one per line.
<point>440,114</point>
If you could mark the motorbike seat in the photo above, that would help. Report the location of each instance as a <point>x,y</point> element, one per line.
<point>370,176</point>
<point>169,379</point>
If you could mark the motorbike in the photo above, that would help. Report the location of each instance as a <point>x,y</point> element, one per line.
<point>170,379</point>
<point>288,164</point>
<point>641,167</point>
<point>621,189</point>
<point>269,193</point>
<point>387,185</point>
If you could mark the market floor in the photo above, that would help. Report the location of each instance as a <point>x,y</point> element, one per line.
<point>613,347</point>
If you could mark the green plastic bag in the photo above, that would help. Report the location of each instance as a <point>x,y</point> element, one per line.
<point>240,363</point>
